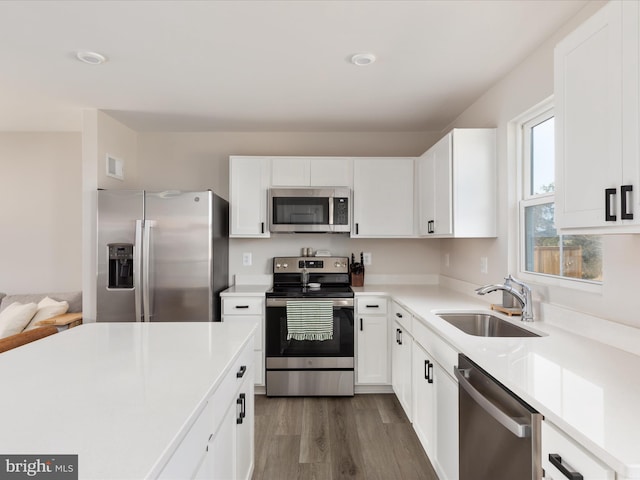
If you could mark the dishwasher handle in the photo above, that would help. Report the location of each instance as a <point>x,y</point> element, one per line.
<point>520,430</point>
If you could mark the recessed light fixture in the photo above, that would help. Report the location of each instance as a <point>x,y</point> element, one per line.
<point>92,58</point>
<point>362,59</point>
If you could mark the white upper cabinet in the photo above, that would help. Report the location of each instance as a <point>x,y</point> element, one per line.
<point>311,171</point>
<point>248,187</point>
<point>383,202</point>
<point>457,185</point>
<point>597,129</point>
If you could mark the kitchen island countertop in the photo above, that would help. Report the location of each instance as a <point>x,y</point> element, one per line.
<point>119,395</point>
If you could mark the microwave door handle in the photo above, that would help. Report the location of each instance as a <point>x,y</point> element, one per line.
<point>331,205</point>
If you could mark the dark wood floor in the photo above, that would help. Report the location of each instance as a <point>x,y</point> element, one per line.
<point>332,438</point>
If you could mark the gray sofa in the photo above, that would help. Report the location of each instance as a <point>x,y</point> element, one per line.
<point>74,299</point>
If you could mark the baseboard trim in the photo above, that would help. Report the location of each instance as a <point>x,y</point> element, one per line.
<point>365,389</point>
<point>359,389</point>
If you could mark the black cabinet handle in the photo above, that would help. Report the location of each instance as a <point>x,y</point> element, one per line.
<point>624,189</point>
<point>360,324</point>
<point>556,461</point>
<point>430,373</point>
<point>608,193</point>
<point>242,371</point>
<point>426,369</point>
<point>398,314</point>
<point>430,226</point>
<point>373,306</point>
<point>242,306</point>
<point>243,408</point>
<point>357,228</point>
<point>400,337</point>
<point>262,227</point>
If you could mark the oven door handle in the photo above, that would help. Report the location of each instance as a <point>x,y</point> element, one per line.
<point>282,302</point>
<point>514,425</point>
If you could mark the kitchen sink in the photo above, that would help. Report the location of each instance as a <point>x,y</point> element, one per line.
<point>485,325</point>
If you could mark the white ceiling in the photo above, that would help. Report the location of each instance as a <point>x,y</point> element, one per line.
<point>262,65</point>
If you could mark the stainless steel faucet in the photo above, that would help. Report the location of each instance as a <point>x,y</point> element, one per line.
<point>523,295</point>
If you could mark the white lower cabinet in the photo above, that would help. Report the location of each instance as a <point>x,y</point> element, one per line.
<point>563,458</point>
<point>424,400</point>
<point>435,400</point>
<point>446,424</point>
<point>220,444</point>
<point>372,359</point>
<point>401,366</point>
<point>248,310</point>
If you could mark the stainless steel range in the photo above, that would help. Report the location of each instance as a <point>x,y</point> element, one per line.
<point>309,328</point>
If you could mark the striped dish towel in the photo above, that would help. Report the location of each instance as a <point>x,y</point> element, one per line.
<point>309,320</point>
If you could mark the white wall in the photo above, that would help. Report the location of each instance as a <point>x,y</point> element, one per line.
<point>101,135</point>
<point>527,85</point>
<point>40,212</point>
<point>193,161</point>
<point>119,141</point>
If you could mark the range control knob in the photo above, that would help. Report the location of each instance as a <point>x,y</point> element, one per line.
<point>278,265</point>
<point>285,265</point>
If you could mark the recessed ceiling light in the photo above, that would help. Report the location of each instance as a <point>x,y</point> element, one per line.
<point>362,59</point>
<point>92,58</point>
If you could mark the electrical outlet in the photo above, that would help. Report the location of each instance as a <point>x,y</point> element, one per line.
<point>366,258</point>
<point>484,265</point>
<point>246,259</point>
<point>447,260</point>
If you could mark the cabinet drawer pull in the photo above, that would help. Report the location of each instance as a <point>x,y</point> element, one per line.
<point>261,227</point>
<point>565,469</point>
<point>399,337</point>
<point>398,314</point>
<point>357,228</point>
<point>242,371</point>
<point>624,190</point>
<point>241,401</point>
<point>360,324</point>
<point>430,373</point>
<point>608,193</point>
<point>242,306</point>
<point>430,226</point>
<point>373,306</point>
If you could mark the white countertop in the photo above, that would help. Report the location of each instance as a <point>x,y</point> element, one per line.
<point>245,291</point>
<point>120,395</point>
<point>588,389</point>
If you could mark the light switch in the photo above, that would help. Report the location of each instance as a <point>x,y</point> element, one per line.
<point>484,265</point>
<point>246,259</point>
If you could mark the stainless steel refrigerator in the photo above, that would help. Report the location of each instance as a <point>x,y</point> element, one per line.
<point>162,256</point>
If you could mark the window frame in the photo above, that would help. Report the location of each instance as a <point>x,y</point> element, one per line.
<point>526,198</point>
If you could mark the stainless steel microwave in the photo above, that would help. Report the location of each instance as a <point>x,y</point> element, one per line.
<point>311,210</point>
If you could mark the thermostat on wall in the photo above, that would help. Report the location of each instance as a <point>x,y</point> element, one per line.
<point>115,167</point>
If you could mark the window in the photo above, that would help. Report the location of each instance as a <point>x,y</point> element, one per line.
<point>543,251</point>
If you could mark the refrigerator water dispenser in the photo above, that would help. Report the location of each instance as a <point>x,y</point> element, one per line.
<point>120,265</point>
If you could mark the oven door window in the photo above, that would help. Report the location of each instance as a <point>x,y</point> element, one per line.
<point>277,345</point>
<point>300,211</point>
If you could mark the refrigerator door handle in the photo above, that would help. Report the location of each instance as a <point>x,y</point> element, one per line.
<point>137,270</point>
<point>146,270</point>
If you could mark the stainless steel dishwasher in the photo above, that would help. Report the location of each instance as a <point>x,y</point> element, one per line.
<point>499,433</point>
